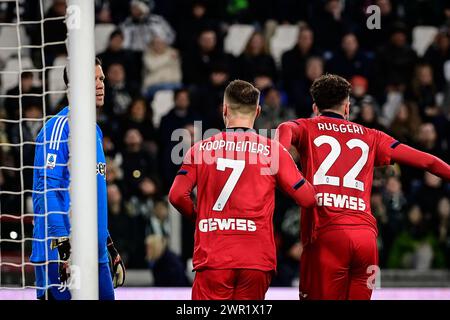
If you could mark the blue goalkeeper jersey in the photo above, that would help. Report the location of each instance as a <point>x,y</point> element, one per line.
<point>51,180</point>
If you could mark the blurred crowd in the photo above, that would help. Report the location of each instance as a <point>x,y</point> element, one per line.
<point>178,45</point>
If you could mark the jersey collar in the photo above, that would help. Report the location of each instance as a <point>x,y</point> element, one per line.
<point>237,129</point>
<point>332,115</point>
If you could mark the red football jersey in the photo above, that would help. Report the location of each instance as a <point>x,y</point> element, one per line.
<point>338,157</point>
<point>236,173</point>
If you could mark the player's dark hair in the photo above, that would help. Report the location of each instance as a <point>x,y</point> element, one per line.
<point>329,91</point>
<point>242,95</point>
<point>98,62</point>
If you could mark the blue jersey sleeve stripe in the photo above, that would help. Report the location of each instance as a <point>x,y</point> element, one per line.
<point>58,140</point>
<point>182,172</point>
<point>299,184</point>
<point>54,129</point>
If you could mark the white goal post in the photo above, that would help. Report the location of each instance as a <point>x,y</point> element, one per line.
<point>83,192</point>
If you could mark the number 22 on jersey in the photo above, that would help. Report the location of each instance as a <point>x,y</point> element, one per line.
<point>349,180</point>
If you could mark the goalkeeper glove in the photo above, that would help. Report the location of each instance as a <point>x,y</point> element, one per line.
<point>116,265</point>
<point>63,246</point>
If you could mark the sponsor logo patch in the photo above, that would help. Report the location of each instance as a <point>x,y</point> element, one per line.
<point>51,161</point>
<point>101,169</point>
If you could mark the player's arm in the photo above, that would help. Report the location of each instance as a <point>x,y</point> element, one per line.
<point>183,184</point>
<point>53,203</point>
<point>54,199</point>
<point>291,181</point>
<point>390,150</point>
<point>52,177</point>
<point>404,154</point>
<point>288,133</point>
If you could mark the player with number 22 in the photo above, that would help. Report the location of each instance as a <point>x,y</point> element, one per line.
<point>338,157</point>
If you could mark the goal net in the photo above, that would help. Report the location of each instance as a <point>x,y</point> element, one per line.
<point>33,54</point>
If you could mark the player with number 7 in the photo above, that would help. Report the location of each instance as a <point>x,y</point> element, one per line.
<point>236,173</point>
<point>338,157</point>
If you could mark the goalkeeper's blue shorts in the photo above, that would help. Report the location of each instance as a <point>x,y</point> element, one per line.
<point>55,291</point>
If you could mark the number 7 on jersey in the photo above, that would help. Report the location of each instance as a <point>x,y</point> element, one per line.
<point>238,167</point>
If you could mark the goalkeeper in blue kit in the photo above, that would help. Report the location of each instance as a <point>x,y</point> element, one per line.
<point>51,202</point>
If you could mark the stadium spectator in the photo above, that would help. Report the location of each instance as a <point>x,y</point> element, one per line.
<point>162,67</point>
<point>330,25</point>
<point>379,212</point>
<point>256,59</point>
<point>443,227</point>
<point>394,61</point>
<point>114,168</point>
<point>4,135</point>
<point>446,14</point>
<point>178,117</point>
<point>116,53</point>
<point>291,11</point>
<point>273,112</point>
<point>289,248</point>
<point>12,106</point>
<point>198,63</point>
<point>368,115</point>
<point>189,26</point>
<point>209,97</point>
<point>428,196</point>
<point>428,13</point>
<point>394,203</point>
<point>139,29</point>
<point>262,81</point>
<point>29,10</point>
<point>142,25</point>
<point>26,132</point>
<point>167,267</point>
<point>10,181</point>
<point>406,123</point>
<point>393,98</point>
<point>54,31</point>
<point>294,60</point>
<point>423,92</point>
<point>118,94</point>
<point>350,60</point>
<point>428,141</point>
<point>120,223</point>
<point>109,11</point>
<point>375,38</point>
<point>139,116</point>
<point>140,207</point>
<point>111,149</point>
<point>415,247</point>
<point>300,97</point>
<point>359,95</point>
<point>436,55</point>
<point>138,164</point>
